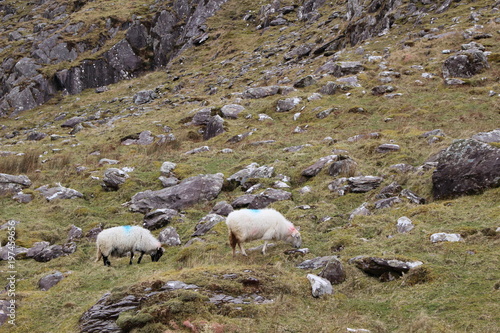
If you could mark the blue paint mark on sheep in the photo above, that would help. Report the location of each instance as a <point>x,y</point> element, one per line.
<point>127,228</point>
<point>254,211</point>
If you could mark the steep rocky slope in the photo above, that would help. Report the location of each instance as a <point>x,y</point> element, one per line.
<point>372,125</point>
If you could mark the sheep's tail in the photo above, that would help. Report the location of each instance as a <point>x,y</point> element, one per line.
<point>232,239</point>
<point>98,254</point>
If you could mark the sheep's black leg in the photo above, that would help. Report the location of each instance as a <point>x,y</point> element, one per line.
<point>140,257</point>
<point>106,261</point>
<point>131,257</point>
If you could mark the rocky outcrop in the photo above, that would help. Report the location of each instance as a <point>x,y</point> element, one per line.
<point>261,200</point>
<point>466,64</point>
<point>466,167</point>
<point>102,316</point>
<point>11,184</point>
<point>113,178</point>
<point>188,192</point>
<point>384,269</point>
<point>207,223</point>
<point>159,218</point>
<point>148,45</point>
<point>58,192</point>
<point>49,281</point>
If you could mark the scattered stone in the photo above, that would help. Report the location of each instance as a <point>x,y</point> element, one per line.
<point>72,122</point>
<point>113,178</point>
<point>143,138</point>
<point>159,218</point>
<point>287,104</point>
<point>103,161</point>
<point>251,171</point>
<point>74,233</point>
<point>6,252</point>
<point>58,192</point>
<point>197,150</point>
<point>102,316</point>
<point>314,169</point>
<point>239,137</point>
<point>339,186</point>
<point>325,113</point>
<point>168,181</point>
<point>22,197</point>
<point>360,211</point>
<point>436,132</point>
<point>466,167</point>
<point>316,263</point>
<point>10,184</point>
<point>305,82</point>
<point>404,225</point>
<point>215,126</point>
<point>145,96</point>
<point>170,237</point>
<point>387,148</point>
<point>387,203</point>
<point>43,252</point>
<point>190,191</point>
<point>334,272</point>
<point>319,285</point>
<point>363,184</point>
<point>359,137</point>
<point>262,200</point>
<point>466,64</point>
<point>384,269</point>
<point>444,237</point>
<point>207,223</point>
<point>36,136</point>
<point>222,208</point>
<point>381,90</point>
<point>344,68</point>
<point>330,88</point>
<point>231,111</point>
<point>295,149</point>
<point>412,197</point>
<point>48,281</point>
<point>261,92</point>
<point>488,137</point>
<point>391,190</point>
<point>345,167</point>
<point>402,167</point>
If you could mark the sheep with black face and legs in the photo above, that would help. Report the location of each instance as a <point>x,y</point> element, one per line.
<point>245,225</point>
<point>118,241</point>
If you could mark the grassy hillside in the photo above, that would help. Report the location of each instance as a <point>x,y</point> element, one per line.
<point>456,290</point>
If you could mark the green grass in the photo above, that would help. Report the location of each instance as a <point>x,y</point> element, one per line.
<point>455,291</point>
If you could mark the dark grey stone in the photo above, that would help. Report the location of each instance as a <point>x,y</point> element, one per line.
<point>159,218</point>
<point>207,223</point>
<point>11,184</point>
<point>48,281</point>
<point>190,191</point>
<point>466,167</point>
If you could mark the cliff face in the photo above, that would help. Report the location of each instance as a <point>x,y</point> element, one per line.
<point>147,44</point>
<point>69,50</point>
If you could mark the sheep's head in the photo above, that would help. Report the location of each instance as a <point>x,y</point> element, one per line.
<point>294,238</point>
<point>156,255</point>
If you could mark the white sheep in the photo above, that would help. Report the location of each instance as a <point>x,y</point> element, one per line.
<point>267,224</point>
<point>118,241</point>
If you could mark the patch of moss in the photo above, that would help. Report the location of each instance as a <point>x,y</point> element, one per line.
<point>130,319</point>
